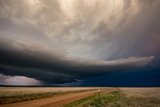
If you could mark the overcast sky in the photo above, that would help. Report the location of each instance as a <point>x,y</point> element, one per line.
<point>62,41</point>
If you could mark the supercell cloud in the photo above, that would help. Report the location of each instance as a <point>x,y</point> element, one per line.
<point>60,41</point>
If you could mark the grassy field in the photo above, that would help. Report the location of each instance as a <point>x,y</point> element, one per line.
<point>107,97</point>
<point>116,99</point>
<point>11,91</point>
<point>19,94</point>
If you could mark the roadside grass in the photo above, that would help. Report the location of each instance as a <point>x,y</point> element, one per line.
<point>115,99</point>
<point>32,96</point>
<point>25,97</point>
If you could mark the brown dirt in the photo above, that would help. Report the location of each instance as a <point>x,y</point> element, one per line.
<point>55,101</point>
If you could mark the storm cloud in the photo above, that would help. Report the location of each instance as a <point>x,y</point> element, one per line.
<point>60,41</point>
<point>40,63</point>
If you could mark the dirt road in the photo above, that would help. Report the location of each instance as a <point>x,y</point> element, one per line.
<point>55,101</point>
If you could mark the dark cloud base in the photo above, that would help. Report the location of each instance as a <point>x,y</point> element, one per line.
<point>139,77</point>
<point>142,77</point>
<point>135,78</point>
